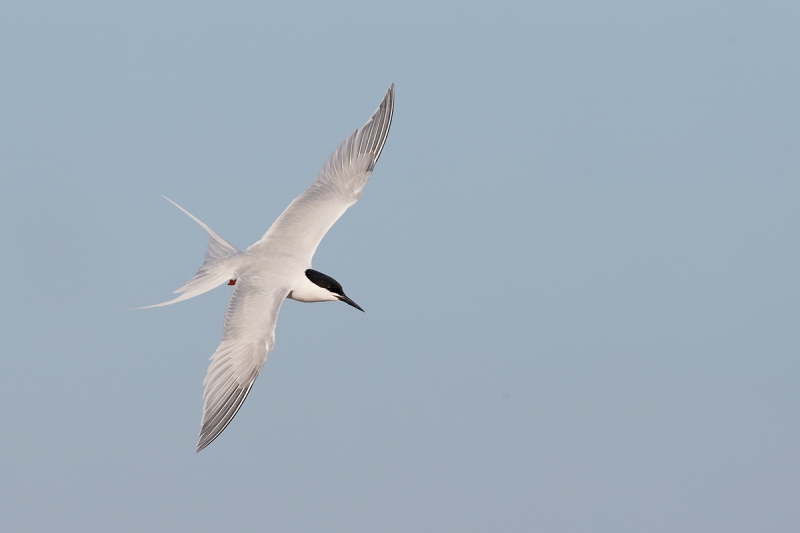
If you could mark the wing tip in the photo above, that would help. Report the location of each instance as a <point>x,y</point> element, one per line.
<point>210,434</point>
<point>384,114</point>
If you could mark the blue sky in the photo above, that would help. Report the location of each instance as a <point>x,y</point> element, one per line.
<point>578,255</point>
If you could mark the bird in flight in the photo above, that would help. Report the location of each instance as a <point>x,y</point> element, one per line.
<point>275,268</point>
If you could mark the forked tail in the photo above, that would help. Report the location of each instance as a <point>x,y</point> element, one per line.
<point>218,268</point>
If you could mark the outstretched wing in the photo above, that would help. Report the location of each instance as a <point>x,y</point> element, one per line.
<point>249,335</point>
<point>340,183</point>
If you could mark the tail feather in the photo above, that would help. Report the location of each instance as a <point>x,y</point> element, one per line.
<point>217,268</point>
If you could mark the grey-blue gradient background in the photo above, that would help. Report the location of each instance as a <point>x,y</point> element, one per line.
<point>578,255</point>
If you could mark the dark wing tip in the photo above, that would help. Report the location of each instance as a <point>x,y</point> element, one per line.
<point>379,125</point>
<point>215,422</point>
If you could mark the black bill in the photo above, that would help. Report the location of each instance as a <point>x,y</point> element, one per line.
<point>348,301</point>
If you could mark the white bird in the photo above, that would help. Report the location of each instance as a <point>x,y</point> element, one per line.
<point>277,267</point>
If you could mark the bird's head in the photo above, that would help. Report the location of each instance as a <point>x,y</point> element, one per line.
<point>333,287</point>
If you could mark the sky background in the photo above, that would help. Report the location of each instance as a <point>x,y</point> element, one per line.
<point>578,255</point>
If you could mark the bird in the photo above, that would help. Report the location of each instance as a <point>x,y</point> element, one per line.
<point>275,268</point>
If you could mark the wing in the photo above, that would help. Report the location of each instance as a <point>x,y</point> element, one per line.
<point>249,334</point>
<point>340,184</point>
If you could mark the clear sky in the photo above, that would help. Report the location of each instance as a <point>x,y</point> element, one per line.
<point>578,257</point>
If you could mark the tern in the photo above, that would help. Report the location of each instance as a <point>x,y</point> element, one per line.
<point>275,268</point>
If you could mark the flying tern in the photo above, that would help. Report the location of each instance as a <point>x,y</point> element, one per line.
<point>275,268</point>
